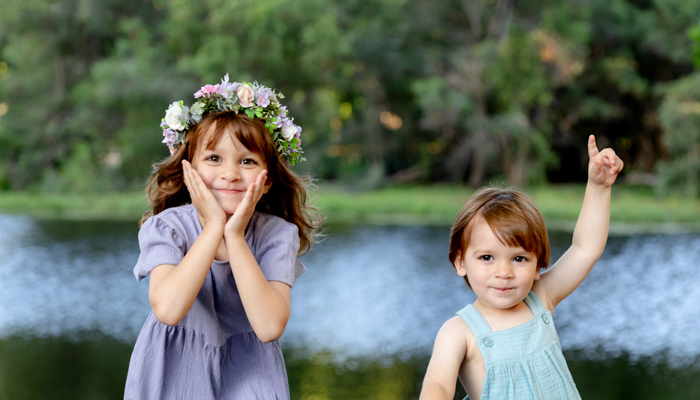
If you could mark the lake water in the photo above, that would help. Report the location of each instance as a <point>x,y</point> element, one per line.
<point>364,315</point>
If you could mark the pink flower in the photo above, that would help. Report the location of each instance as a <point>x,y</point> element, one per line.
<point>207,91</point>
<point>246,96</point>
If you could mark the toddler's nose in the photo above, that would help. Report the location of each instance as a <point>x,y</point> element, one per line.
<point>504,271</point>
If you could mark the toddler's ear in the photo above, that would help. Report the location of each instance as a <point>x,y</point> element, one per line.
<point>459,265</point>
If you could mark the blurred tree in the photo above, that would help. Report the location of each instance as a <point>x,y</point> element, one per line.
<point>694,34</point>
<point>680,117</point>
<point>633,46</point>
<point>387,91</point>
<point>493,93</point>
<point>46,49</point>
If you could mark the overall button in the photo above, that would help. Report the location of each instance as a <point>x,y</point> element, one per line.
<point>488,342</point>
<point>545,318</point>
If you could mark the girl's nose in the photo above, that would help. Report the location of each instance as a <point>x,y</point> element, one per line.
<point>230,173</point>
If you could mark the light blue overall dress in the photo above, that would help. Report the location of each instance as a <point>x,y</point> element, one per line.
<point>523,362</point>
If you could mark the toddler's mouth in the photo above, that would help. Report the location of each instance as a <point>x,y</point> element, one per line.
<point>503,290</point>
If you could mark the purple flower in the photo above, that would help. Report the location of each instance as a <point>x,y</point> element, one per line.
<point>263,100</point>
<point>169,136</point>
<point>282,120</point>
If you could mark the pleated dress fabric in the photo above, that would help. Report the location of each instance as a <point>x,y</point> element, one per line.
<point>524,362</point>
<point>213,352</point>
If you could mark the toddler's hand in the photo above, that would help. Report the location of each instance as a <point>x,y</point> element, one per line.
<point>239,220</point>
<point>203,200</point>
<point>603,166</point>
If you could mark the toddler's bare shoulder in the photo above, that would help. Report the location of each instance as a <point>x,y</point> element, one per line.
<point>455,333</point>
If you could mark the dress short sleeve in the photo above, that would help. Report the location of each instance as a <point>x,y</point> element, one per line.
<point>160,243</point>
<point>277,250</point>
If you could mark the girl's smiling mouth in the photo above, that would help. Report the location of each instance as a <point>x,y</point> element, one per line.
<point>230,191</point>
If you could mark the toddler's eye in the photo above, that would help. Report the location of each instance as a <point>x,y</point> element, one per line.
<point>520,259</point>
<point>213,158</point>
<point>486,258</point>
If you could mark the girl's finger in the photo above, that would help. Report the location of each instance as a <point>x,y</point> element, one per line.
<point>198,182</point>
<point>193,187</point>
<point>260,184</point>
<point>592,148</point>
<point>187,176</point>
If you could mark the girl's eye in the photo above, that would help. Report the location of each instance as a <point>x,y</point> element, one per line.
<point>248,161</point>
<point>213,158</point>
<point>520,259</point>
<point>486,258</point>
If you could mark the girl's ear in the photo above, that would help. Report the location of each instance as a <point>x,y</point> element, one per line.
<point>459,265</point>
<point>268,184</point>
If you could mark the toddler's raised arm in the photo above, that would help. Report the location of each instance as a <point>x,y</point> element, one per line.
<point>591,232</point>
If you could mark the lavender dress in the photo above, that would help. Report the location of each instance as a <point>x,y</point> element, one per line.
<point>213,352</point>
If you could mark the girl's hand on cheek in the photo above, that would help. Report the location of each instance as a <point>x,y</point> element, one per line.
<point>203,200</point>
<point>603,166</point>
<point>236,225</point>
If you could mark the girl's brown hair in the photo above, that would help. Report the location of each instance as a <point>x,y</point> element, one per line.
<point>286,198</point>
<point>513,218</point>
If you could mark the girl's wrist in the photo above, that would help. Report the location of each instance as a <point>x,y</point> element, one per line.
<point>213,226</point>
<point>232,236</point>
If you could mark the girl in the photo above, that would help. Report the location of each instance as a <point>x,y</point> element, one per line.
<point>228,220</point>
<point>504,345</point>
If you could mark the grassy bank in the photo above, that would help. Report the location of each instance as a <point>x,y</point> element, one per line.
<point>633,208</point>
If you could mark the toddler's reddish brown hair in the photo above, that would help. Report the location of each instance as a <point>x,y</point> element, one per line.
<point>513,218</point>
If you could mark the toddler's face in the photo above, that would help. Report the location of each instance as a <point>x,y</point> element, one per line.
<point>501,276</point>
<point>228,170</point>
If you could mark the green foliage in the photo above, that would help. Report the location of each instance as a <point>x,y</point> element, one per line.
<point>694,34</point>
<point>386,90</point>
<point>680,117</point>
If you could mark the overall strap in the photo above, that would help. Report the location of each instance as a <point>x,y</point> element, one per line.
<point>533,301</point>
<point>475,320</point>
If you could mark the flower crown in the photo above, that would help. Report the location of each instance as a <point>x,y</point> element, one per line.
<point>255,100</point>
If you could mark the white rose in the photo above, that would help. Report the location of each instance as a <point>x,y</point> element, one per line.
<point>289,131</point>
<point>246,96</point>
<point>172,117</point>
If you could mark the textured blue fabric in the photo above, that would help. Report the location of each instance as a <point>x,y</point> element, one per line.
<point>213,352</point>
<point>524,362</point>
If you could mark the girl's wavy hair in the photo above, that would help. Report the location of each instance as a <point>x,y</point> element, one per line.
<point>287,197</point>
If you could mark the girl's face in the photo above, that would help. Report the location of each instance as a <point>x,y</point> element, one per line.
<point>500,276</point>
<point>228,170</point>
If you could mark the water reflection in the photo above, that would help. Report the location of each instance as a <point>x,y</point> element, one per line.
<point>372,299</point>
<point>59,277</point>
<point>368,290</point>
